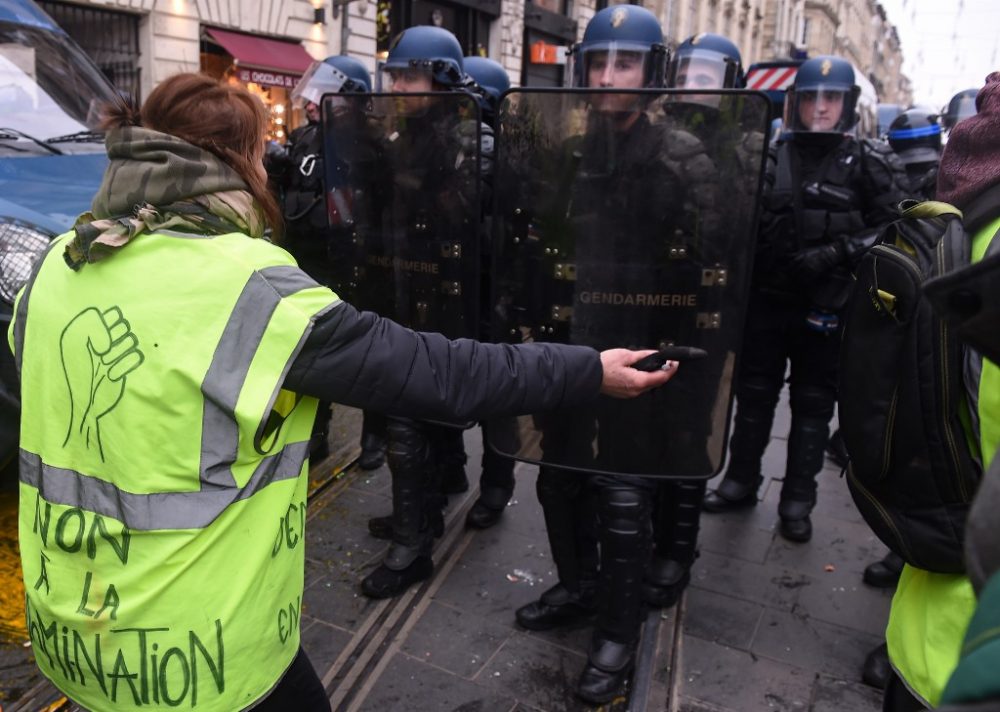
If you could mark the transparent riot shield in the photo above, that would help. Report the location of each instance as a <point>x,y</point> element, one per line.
<point>404,191</point>
<point>628,220</point>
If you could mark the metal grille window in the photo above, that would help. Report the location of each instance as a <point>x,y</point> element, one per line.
<point>110,38</point>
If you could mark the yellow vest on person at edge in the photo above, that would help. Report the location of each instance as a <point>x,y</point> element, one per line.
<point>930,612</point>
<point>162,468</point>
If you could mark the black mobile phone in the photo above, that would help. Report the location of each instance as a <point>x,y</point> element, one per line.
<point>654,362</point>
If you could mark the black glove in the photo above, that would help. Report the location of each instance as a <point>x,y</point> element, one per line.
<point>816,262</point>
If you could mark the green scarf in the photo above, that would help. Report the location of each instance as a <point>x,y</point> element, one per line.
<point>156,181</point>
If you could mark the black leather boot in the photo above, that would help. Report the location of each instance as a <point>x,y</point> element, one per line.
<point>608,669</point>
<point>489,507</point>
<point>625,530</point>
<point>413,493</point>
<point>384,582</point>
<point>877,670</point>
<point>677,516</point>
<point>665,581</point>
<point>569,506</point>
<point>496,486</point>
<point>372,453</point>
<point>559,607</point>
<point>884,573</point>
<point>751,433</point>
<point>806,442</point>
<point>373,441</point>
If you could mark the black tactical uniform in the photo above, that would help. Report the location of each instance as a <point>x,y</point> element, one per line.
<point>303,200</point>
<point>621,188</point>
<point>496,481</point>
<point>424,207</point>
<point>825,195</point>
<point>431,214</point>
<point>719,163</point>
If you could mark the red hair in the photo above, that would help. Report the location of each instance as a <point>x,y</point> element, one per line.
<point>222,118</point>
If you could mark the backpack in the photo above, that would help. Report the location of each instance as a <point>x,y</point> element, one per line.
<point>912,472</point>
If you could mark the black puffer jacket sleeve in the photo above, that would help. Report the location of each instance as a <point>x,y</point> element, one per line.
<point>360,359</point>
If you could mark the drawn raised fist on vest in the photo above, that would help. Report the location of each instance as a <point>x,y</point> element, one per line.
<point>98,350</point>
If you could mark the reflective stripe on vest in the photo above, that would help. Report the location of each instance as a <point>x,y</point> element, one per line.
<point>220,434</point>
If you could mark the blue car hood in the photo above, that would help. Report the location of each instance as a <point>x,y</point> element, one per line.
<point>49,191</point>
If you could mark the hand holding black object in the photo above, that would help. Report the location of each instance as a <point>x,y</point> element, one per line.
<point>620,380</point>
<point>656,361</point>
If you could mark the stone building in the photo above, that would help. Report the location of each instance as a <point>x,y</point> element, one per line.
<point>267,44</point>
<point>860,31</point>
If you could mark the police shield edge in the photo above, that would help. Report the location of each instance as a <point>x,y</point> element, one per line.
<point>404,191</point>
<point>627,219</point>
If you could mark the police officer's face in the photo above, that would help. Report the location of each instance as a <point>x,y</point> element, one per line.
<point>410,80</point>
<point>615,70</point>
<point>312,112</point>
<point>697,73</point>
<point>820,110</point>
<point>700,74</point>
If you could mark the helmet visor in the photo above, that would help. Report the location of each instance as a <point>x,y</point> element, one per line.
<point>409,79</point>
<point>819,110</point>
<point>961,109</point>
<point>701,69</point>
<point>321,78</point>
<point>612,65</point>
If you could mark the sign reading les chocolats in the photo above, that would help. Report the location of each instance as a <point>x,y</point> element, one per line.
<point>267,77</point>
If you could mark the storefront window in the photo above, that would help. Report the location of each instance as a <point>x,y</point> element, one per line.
<point>271,86</point>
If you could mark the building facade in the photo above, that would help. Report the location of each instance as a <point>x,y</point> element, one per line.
<point>267,44</point>
<point>860,31</point>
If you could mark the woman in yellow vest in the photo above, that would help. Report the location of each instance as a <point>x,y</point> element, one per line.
<point>931,611</point>
<point>171,362</point>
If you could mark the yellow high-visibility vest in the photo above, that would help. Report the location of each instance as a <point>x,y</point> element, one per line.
<point>163,469</point>
<point>930,611</point>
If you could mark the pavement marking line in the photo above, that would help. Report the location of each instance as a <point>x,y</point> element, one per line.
<point>394,644</point>
<point>645,661</point>
<point>676,654</point>
<point>350,672</point>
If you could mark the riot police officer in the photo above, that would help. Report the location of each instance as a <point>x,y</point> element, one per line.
<point>431,195</point>
<point>304,202</point>
<point>496,482</point>
<point>351,77</point>
<point>619,187</point>
<point>826,194</point>
<point>961,106</point>
<point>696,142</point>
<point>489,81</point>
<point>915,136</point>
<point>301,169</point>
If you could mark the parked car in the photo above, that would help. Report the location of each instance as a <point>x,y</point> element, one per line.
<point>51,161</point>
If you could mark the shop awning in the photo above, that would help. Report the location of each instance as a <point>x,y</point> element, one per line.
<point>263,53</point>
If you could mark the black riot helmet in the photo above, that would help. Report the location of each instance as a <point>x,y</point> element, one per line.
<point>621,37</point>
<point>490,81</point>
<point>424,53</point>
<point>916,136</point>
<point>706,61</point>
<point>823,97</point>
<point>961,106</point>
